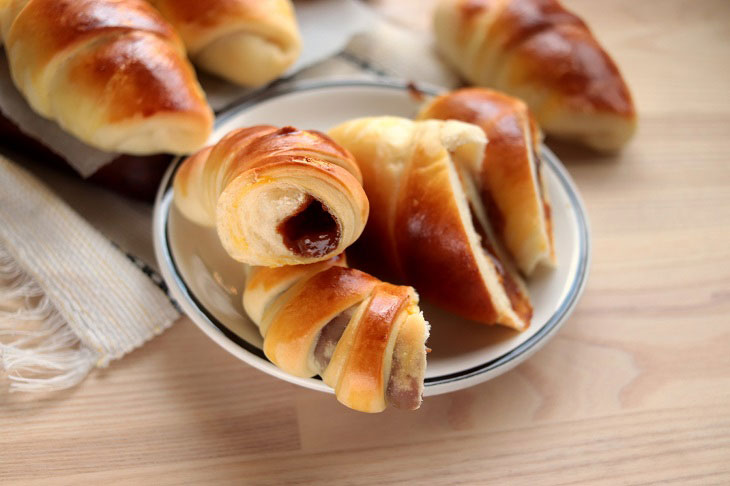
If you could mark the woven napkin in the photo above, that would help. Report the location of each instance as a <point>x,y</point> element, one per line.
<point>70,300</point>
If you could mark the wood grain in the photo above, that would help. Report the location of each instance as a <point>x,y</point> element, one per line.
<point>635,389</point>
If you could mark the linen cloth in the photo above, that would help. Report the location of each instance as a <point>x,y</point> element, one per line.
<point>79,302</point>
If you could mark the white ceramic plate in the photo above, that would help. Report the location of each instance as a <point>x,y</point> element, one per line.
<point>207,283</point>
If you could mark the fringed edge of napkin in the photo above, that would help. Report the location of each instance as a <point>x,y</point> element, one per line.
<point>38,350</point>
<point>69,299</point>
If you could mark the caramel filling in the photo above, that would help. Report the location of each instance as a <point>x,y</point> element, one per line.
<point>541,190</point>
<point>519,302</point>
<point>403,390</point>
<point>311,231</point>
<point>329,337</point>
<point>496,218</point>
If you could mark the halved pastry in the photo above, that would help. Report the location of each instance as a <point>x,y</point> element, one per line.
<point>366,338</point>
<point>277,196</point>
<point>541,52</point>
<point>512,184</point>
<point>428,225</point>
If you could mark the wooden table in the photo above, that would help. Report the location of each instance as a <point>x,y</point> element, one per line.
<point>634,389</point>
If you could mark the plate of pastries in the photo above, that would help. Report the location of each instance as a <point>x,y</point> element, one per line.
<point>384,240</point>
<point>374,255</point>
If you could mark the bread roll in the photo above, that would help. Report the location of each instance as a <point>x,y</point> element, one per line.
<point>542,53</point>
<point>277,196</point>
<point>111,72</point>
<point>366,338</point>
<point>428,226</point>
<point>512,184</point>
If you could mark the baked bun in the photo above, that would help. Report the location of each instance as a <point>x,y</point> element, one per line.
<point>428,226</point>
<point>111,72</point>
<point>512,184</point>
<point>277,196</point>
<point>366,338</point>
<point>542,53</point>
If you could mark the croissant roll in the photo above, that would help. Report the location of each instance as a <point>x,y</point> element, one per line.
<point>277,196</point>
<point>366,338</point>
<point>512,182</point>
<point>248,42</point>
<point>428,226</point>
<point>539,51</point>
<point>112,73</point>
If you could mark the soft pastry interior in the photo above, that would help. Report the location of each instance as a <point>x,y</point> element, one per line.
<point>428,225</point>
<point>364,337</point>
<point>277,196</point>
<point>246,42</point>
<point>512,180</point>
<point>544,54</point>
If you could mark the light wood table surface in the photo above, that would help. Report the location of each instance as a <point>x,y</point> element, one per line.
<point>635,389</point>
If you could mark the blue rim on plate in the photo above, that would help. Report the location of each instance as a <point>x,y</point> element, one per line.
<point>505,361</point>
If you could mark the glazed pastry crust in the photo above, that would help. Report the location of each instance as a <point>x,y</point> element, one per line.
<point>422,181</point>
<point>380,357</point>
<point>546,55</point>
<point>256,179</point>
<point>111,72</point>
<point>248,42</point>
<point>517,204</point>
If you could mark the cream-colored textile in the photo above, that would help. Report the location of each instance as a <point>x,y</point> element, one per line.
<point>69,300</point>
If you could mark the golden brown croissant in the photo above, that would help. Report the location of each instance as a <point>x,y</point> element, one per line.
<point>540,52</point>
<point>366,338</point>
<point>111,72</point>
<point>513,190</point>
<point>428,225</point>
<point>277,196</point>
<point>249,42</point>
